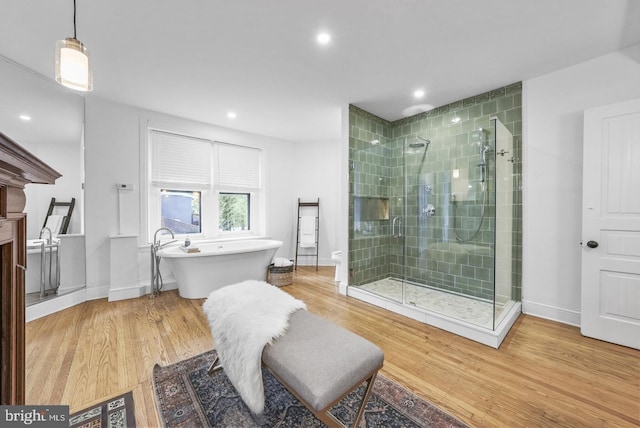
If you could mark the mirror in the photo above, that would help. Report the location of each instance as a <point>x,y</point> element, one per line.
<point>47,120</point>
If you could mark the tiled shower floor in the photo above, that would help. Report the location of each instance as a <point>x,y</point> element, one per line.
<point>463,308</point>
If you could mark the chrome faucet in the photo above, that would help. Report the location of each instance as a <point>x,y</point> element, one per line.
<point>156,277</point>
<point>155,239</point>
<point>50,240</point>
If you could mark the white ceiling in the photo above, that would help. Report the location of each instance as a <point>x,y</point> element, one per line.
<point>56,113</point>
<point>199,59</point>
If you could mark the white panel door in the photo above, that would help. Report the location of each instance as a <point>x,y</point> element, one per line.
<point>611,224</point>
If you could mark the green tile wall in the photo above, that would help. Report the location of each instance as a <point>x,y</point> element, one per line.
<point>370,171</point>
<point>433,256</point>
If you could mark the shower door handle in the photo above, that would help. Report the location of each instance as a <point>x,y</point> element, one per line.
<point>397,221</point>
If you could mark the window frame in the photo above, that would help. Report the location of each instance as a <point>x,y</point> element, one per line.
<point>209,198</point>
<point>253,197</point>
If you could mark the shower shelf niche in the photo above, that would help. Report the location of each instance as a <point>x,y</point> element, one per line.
<point>370,208</point>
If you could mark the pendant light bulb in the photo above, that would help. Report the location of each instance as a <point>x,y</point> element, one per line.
<point>73,66</point>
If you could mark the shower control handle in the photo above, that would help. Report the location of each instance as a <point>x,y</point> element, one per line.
<point>592,244</point>
<point>429,210</point>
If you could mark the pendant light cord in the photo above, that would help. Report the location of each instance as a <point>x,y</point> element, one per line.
<point>74,19</point>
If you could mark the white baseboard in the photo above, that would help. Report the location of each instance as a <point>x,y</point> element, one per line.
<point>168,284</point>
<point>73,298</point>
<point>342,288</point>
<point>311,261</point>
<point>94,293</point>
<point>138,290</point>
<point>123,293</point>
<point>58,303</point>
<point>553,313</point>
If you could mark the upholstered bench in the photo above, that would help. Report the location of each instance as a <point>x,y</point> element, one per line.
<point>255,324</point>
<point>321,362</point>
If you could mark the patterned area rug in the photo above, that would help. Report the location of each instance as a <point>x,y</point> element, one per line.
<point>117,412</point>
<point>187,396</point>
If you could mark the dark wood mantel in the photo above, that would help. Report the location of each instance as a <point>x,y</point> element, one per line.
<point>17,168</point>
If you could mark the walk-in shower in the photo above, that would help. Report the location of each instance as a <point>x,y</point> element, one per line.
<point>447,251</point>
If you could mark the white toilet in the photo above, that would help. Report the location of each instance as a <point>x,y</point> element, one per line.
<point>336,257</point>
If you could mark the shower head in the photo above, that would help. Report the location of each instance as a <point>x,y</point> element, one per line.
<point>419,143</point>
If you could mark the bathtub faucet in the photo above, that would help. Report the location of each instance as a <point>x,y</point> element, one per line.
<point>45,229</point>
<point>160,246</point>
<point>155,239</point>
<point>156,277</point>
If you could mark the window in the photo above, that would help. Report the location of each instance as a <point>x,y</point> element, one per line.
<point>202,187</point>
<point>237,180</point>
<point>180,211</point>
<point>234,209</point>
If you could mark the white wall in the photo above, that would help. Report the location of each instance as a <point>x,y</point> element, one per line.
<point>67,160</point>
<point>553,106</point>
<point>316,174</point>
<point>552,141</point>
<point>112,155</point>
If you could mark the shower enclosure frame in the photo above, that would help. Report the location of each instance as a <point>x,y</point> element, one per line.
<point>400,222</point>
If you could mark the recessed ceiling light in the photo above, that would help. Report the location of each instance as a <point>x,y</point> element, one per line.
<point>374,142</point>
<point>418,93</point>
<point>232,115</point>
<point>455,120</point>
<point>25,117</point>
<point>323,38</point>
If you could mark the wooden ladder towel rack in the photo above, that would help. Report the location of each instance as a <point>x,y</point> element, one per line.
<point>305,206</point>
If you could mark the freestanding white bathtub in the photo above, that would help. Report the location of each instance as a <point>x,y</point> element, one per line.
<point>218,263</point>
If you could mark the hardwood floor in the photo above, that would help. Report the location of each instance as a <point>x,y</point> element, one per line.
<point>545,374</point>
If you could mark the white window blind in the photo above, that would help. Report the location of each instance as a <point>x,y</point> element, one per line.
<point>180,160</point>
<point>237,166</point>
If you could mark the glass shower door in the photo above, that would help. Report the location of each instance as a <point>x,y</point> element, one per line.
<point>420,199</point>
<point>507,181</point>
<point>449,245</point>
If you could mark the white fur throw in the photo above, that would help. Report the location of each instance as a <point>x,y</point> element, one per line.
<point>245,317</point>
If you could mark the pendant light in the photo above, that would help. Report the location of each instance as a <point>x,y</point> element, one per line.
<point>73,68</point>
